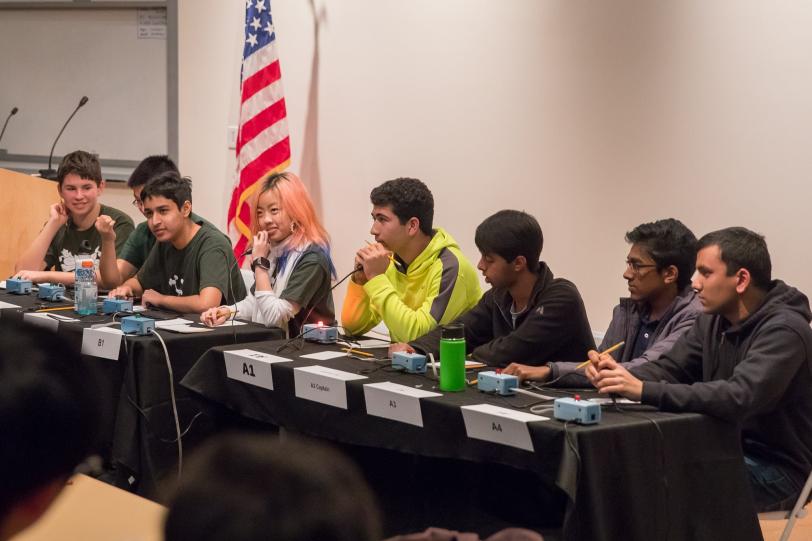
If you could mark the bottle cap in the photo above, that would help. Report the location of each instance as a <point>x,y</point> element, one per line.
<point>87,263</point>
<point>453,331</point>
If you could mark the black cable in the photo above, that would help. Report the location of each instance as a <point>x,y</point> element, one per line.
<point>287,342</point>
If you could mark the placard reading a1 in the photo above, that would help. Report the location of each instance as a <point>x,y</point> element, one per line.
<point>104,342</point>
<point>251,366</point>
<point>322,384</point>
<point>396,402</point>
<point>499,425</point>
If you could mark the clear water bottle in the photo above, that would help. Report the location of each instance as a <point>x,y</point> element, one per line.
<point>86,290</point>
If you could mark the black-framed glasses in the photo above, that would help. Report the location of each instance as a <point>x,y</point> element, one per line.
<point>635,266</point>
<point>137,203</point>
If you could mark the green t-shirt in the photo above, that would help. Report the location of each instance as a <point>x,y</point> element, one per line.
<point>140,243</point>
<point>309,287</point>
<point>70,242</point>
<point>204,262</point>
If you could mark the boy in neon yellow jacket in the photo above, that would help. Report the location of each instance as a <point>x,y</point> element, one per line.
<point>414,277</point>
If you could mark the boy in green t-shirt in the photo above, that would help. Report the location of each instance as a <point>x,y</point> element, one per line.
<point>192,267</point>
<point>72,226</point>
<point>120,265</point>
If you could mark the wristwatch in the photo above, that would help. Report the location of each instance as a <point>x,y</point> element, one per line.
<point>261,262</point>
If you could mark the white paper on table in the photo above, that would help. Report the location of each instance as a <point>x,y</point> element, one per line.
<point>172,323</point>
<point>371,343</point>
<point>324,355</point>
<point>185,329</point>
<point>7,305</point>
<point>605,400</point>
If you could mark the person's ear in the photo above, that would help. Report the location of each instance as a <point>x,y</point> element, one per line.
<point>743,280</point>
<point>186,209</point>
<point>520,263</point>
<point>670,274</point>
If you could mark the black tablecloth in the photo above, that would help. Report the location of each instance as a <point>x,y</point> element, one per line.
<point>639,474</point>
<point>138,430</point>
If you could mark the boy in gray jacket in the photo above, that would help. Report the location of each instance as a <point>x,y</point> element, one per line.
<point>660,307</point>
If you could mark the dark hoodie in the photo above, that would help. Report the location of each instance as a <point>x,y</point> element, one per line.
<point>554,327</point>
<point>757,373</point>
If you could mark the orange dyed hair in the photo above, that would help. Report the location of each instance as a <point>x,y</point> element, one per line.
<point>294,198</point>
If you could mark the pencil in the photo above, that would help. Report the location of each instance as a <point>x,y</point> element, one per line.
<point>357,352</point>
<point>392,259</point>
<point>55,309</point>
<point>610,350</point>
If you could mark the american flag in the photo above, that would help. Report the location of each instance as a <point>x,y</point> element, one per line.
<point>263,144</point>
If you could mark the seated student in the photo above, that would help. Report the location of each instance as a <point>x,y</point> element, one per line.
<point>428,281</point>
<point>243,487</point>
<point>192,268</point>
<point>71,228</point>
<point>528,316</point>
<point>747,359</point>
<point>291,261</point>
<point>138,245</point>
<point>660,307</point>
<point>48,416</point>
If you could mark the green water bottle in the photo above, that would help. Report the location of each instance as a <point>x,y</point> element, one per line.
<point>452,357</point>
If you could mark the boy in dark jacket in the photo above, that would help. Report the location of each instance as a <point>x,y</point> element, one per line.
<point>660,308</point>
<point>528,315</point>
<point>747,359</point>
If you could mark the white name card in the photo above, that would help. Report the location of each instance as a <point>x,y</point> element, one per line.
<point>499,425</point>
<point>104,342</point>
<point>396,402</point>
<point>46,321</point>
<point>322,384</point>
<point>7,305</point>
<point>251,366</point>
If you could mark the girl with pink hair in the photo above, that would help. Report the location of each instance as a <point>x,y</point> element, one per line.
<point>290,261</point>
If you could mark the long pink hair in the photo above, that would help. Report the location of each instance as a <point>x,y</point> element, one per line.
<point>296,202</point>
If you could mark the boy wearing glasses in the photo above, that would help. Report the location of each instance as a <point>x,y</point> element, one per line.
<point>134,252</point>
<point>660,307</point>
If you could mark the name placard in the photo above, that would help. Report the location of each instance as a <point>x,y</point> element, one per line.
<point>396,402</point>
<point>322,384</point>
<point>500,425</point>
<point>251,366</point>
<point>104,342</point>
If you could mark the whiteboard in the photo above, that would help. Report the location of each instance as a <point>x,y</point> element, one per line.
<point>52,57</point>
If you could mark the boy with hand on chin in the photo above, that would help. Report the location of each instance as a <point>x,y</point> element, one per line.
<point>192,267</point>
<point>71,228</point>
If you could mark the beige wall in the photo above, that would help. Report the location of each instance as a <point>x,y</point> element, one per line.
<point>592,116</point>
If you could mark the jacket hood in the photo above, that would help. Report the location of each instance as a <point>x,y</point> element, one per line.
<point>439,242</point>
<point>780,296</point>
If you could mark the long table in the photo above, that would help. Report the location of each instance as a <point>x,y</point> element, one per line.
<point>138,432</point>
<point>639,474</point>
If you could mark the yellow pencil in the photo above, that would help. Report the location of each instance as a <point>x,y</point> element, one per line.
<point>54,309</point>
<point>357,352</point>
<point>392,259</point>
<point>610,350</point>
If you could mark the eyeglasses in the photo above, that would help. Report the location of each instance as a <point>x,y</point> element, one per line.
<point>635,266</point>
<point>138,203</point>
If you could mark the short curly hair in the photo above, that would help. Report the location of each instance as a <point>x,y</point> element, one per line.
<point>668,242</point>
<point>409,198</point>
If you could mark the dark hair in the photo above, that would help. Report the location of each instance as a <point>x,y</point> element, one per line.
<point>149,167</point>
<point>171,185</point>
<point>48,411</point>
<point>509,234</point>
<point>255,487</point>
<point>668,242</point>
<point>409,198</point>
<point>741,248</point>
<point>81,163</point>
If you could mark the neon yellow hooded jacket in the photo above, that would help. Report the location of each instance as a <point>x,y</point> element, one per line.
<point>436,288</point>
